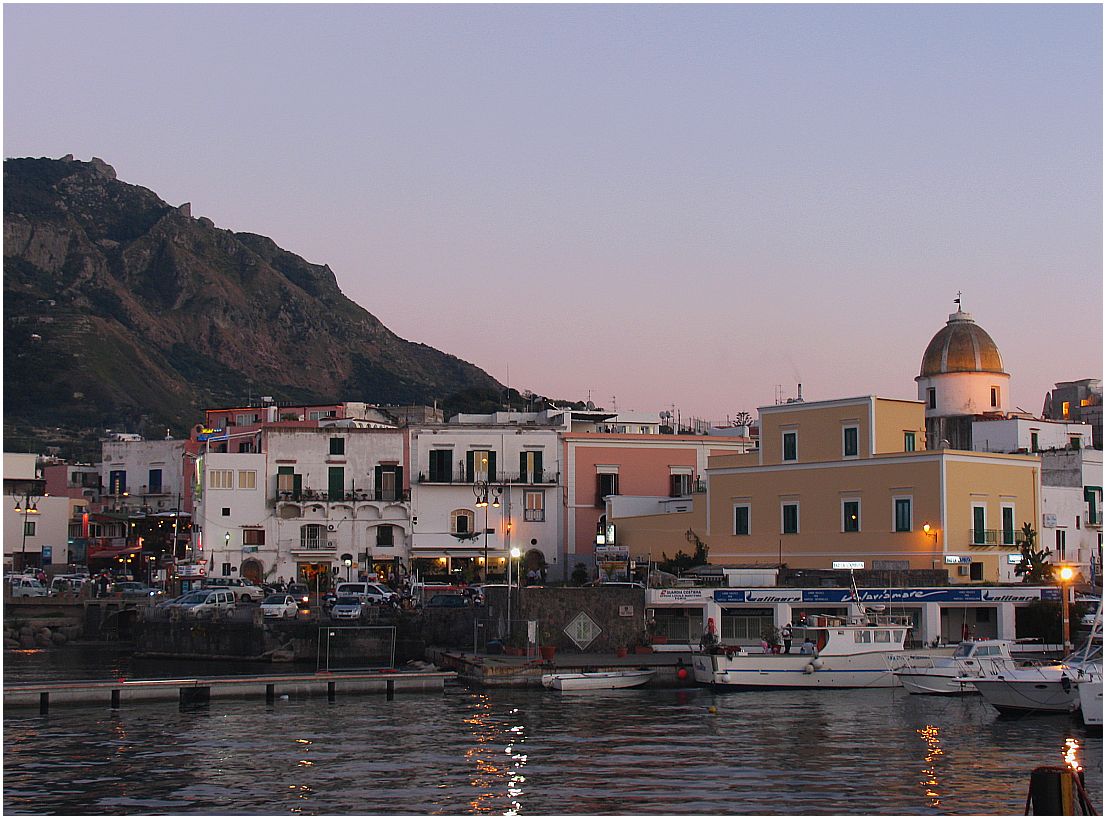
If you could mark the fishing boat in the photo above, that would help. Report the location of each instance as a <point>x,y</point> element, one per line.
<point>929,674</point>
<point>597,680</point>
<point>852,652</point>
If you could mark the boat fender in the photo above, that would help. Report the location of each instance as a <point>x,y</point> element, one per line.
<point>1065,683</point>
<point>808,668</point>
<point>817,664</point>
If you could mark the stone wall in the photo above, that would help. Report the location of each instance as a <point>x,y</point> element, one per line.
<point>618,614</point>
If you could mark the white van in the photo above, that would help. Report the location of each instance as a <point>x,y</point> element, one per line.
<point>367,592</point>
<point>24,586</point>
<point>205,600</point>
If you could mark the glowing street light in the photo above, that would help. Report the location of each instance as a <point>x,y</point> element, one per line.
<point>1065,574</point>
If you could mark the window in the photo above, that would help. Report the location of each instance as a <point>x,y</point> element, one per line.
<point>903,515</point>
<point>994,396</point>
<point>741,519</point>
<point>607,484</point>
<point>1007,525</point>
<point>220,479</point>
<point>479,465</point>
<point>679,485</point>
<point>312,536</point>
<point>385,536</point>
<point>337,446</point>
<point>153,484</point>
<point>850,516</point>
<point>247,479</point>
<point>851,443</point>
<point>975,572</point>
<point>441,465</point>
<point>790,446</point>
<point>931,397</point>
<point>318,415</point>
<point>790,522</point>
<point>29,527</point>
<point>117,482</point>
<point>226,511</point>
<point>530,467</point>
<point>460,522</point>
<point>253,537</point>
<point>1065,410</point>
<point>1074,441</point>
<point>1034,442</point>
<point>979,523</point>
<point>908,442</point>
<point>226,573</point>
<point>1061,544</point>
<point>246,418</point>
<point>534,505</point>
<point>388,480</point>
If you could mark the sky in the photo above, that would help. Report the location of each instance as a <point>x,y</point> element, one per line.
<point>654,206</point>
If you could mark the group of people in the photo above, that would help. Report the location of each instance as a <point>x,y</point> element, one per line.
<point>786,637</point>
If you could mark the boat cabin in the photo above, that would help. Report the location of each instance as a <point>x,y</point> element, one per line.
<point>837,636</point>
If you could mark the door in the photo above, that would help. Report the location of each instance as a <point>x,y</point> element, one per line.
<point>336,482</point>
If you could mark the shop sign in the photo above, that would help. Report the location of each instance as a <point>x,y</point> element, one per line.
<point>729,596</point>
<point>681,595</point>
<point>612,554</point>
<point>190,570</point>
<point>1014,559</point>
<point>774,596</point>
<point>848,564</point>
<point>957,559</point>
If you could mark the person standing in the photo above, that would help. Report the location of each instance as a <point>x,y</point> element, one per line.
<point>786,635</point>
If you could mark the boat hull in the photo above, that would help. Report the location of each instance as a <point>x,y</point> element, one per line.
<point>1090,703</point>
<point>1029,695</point>
<point>935,683</point>
<point>597,681</point>
<point>793,671</point>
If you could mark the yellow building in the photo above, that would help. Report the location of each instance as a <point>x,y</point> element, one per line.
<point>849,481</point>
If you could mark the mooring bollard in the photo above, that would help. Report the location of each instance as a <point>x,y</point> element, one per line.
<point>44,702</point>
<point>270,693</point>
<point>330,691</point>
<point>391,689</point>
<point>1057,791</point>
<point>115,698</point>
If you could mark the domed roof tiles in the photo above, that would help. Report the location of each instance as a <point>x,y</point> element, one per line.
<point>961,346</point>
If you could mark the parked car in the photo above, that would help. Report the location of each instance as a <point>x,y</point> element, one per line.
<point>448,601</point>
<point>206,600</point>
<point>279,605</point>
<point>347,608</point>
<point>243,590</point>
<point>387,594</point>
<point>132,588</point>
<point>67,583</point>
<point>27,586</point>
<point>300,592</point>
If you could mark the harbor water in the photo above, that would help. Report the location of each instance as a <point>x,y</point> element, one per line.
<point>467,751</point>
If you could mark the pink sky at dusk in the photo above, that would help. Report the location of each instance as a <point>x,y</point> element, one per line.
<point>683,205</point>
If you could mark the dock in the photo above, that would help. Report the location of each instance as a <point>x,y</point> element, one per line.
<point>263,687</point>
<point>497,670</point>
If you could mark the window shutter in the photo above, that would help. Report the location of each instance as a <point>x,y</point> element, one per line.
<point>537,467</point>
<point>522,470</point>
<point>491,465</point>
<point>297,486</point>
<point>469,469</point>
<point>378,482</point>
<point>399,482</point>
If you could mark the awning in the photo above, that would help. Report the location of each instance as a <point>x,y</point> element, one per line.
<point>97,551</point>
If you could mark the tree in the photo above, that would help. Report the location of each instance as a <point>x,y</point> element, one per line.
<point>742,419</point>
<point>682,561</point>
<point>580,574</point>
<point>1035,566</point>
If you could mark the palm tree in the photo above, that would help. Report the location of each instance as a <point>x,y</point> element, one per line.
<point>1035,566</point>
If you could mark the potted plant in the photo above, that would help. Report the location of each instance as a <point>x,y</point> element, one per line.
<point>657,635</point>
<point>548,643</point>
<point>643,646</point>
<point>621,651</point>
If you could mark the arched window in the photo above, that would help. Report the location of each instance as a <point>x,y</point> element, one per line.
<point>461,522</point>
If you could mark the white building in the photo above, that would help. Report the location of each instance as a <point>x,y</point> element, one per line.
<point>142,476</point>
<point>512,459</point>
<point>1028,435</point>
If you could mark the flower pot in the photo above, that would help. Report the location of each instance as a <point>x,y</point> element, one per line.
<point>643,649</point>
<point>621,651</point>
<point>659,639</point>
<point>547,652</point>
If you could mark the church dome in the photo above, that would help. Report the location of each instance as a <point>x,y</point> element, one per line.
<point>961,346</point>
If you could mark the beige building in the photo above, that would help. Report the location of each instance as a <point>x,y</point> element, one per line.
<point>850,481</point>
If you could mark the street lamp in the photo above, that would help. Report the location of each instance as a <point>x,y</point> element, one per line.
<point>348,563</point>
<point>1065,575</point>
<point>481,490</point>
<point>29,507</point>
<point>515,553</point>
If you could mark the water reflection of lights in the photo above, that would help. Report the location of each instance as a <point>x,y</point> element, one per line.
<point>490,773</point>
<point>931,735</point>
<point>1071,754</point>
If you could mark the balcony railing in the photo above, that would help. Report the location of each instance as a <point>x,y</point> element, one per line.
<point>991,537</point>
<point>461,476</point>
<point>315,496</point>
<point>536,515</point>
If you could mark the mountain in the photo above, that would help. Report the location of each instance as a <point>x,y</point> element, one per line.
<point>123,311</point>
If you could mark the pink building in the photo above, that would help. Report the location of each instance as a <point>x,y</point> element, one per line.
<point>598,465</point>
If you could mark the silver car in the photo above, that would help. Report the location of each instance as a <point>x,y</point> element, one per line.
<point>347,608</point>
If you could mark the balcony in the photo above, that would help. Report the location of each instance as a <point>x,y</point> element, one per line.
<point>360,495</point>
<point>504,478</point>
<point>986,538</point>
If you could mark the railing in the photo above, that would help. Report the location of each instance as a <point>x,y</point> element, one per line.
<point>991,537</point>
<point>462,476</point>
<point>533,514</point>
<point>315,496</point>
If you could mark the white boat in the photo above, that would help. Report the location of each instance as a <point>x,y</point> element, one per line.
<point>853,653</point>
<point>1090,702</point>
<point>1050,689</point>
<point>597,680</point>
<point>929,674</point>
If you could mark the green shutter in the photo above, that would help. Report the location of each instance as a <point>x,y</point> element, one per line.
<point>378,481</point>
<point>522,469</point>
<point>297,486</point>
<point>399,482</point>
<point>491,465</point>
<point>336,483</point>
<point>537,468</point>
<point>469,468</point>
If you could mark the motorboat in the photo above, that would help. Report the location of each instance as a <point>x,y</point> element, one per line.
<point>929,674</point>
<point>837,652</point>
<point>597,680</point>
<point>1050,689</point>
<point>1090,702</point>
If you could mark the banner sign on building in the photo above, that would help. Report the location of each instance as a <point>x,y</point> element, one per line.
<point>683,595</point>
<point>955,559</point>
<point>612,554</point>
<point>729,596</point>
<point>774,596</point>
<point>951,594</point>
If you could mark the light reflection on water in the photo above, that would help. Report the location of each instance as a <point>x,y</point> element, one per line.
<point>538,752</point>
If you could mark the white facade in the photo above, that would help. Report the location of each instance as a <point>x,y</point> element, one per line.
<point>317,496</point>
<point>47,532</point>
<point>142,475</point>
<point>1027,435</point>
<point>522,471</point>
<point>963,393</point>
<point>1071,508</point>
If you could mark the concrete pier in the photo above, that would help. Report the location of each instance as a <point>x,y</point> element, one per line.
<point>120,693</point>
<point>521,672</point>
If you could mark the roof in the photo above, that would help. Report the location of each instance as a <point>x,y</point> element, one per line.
<point>961,346</point>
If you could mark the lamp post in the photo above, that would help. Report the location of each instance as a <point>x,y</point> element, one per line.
<point>510,561</point>
<point>482,490</point>
<point>29,507</point>
<point>1065,574</point>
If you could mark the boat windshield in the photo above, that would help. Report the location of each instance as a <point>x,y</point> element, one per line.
<point>963,650</point>
<point>1086,654</point>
